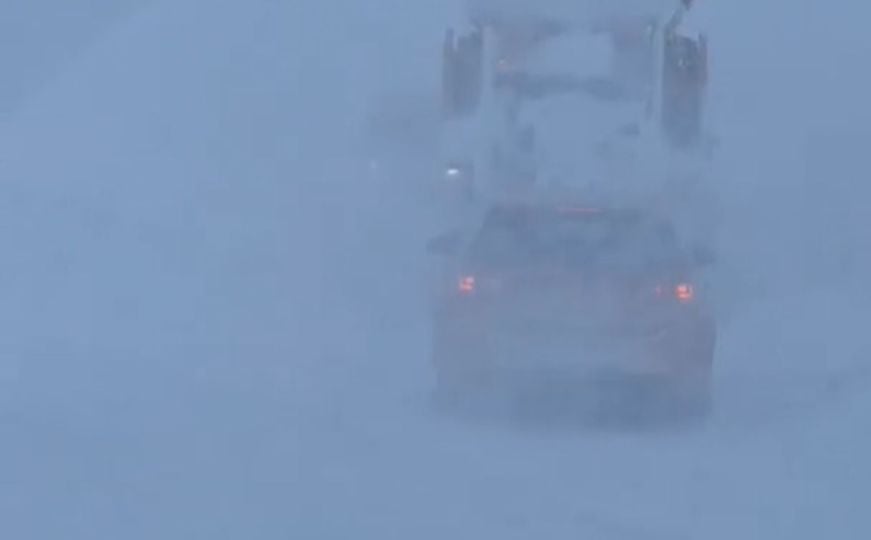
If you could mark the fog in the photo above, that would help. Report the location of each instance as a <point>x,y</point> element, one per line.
<point>216,315</point>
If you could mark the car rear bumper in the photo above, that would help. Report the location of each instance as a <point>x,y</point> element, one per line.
<point>572,355</point>
<point>577,354</point>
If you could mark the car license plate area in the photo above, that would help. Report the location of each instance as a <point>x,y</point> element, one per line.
<point>577,351</point>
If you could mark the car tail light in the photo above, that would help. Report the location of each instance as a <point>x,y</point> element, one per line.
<point>684,292</point>
<point>466,284</point>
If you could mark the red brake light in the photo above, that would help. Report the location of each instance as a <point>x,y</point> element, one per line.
<point>684,292</point>
<point>466,284</point>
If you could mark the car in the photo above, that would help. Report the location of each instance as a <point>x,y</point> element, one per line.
<point>598,300</point>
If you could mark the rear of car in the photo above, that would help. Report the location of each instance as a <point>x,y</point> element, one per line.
<point>602,301</point>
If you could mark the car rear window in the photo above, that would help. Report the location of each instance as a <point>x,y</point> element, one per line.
<point>577,239</point>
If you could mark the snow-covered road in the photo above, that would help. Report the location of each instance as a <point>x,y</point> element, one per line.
<point>215,327</point>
